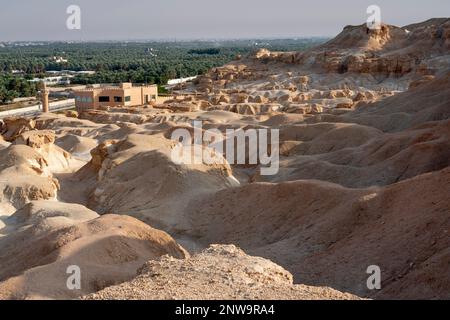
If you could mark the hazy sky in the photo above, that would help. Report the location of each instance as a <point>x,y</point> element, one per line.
<point>201,19</point>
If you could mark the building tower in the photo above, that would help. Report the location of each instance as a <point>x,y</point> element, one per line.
<point>44,97</point>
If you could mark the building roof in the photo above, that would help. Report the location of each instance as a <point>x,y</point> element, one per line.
<point>121,86</point>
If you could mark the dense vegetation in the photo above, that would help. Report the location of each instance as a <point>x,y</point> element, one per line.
<point>13,87</point>
<point>204,51</point>
<point>113,62</point>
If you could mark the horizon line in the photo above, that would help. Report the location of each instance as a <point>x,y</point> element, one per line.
<point>170,39</point>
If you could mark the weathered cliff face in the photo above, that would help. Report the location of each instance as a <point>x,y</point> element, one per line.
<point>27,166</point>
<point>11,128</point>
<point>389,50</point>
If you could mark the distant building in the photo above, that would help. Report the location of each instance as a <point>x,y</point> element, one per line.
<point>172,82</point>
<point>123,95</point>
<point>83,72</point>
<point>59,59</point>
<point>51,81</point>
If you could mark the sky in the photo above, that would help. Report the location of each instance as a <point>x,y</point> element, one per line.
<point>45,20</point>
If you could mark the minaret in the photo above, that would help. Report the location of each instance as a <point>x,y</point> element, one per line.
<point>44,97</point>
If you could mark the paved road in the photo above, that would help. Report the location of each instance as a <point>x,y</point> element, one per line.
<point>35,110</point>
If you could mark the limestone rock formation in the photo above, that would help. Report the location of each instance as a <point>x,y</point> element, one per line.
<point>11,128</point>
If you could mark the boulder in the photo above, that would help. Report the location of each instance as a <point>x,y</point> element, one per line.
<point>14,127</point>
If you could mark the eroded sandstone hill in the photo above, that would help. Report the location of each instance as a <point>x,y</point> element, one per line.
<point>363,179</point>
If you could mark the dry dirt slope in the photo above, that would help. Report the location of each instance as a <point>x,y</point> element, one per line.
<point>326,234</point>
<point>44,238</point>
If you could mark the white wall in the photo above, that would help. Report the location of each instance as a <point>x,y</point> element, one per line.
<point>54,106</point>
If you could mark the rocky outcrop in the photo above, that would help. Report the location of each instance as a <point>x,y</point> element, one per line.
<point>248,108</point>
<point>11,128</point>
<point>36,139</point>
<point>100,116</point>
<point>24,176</point>
<point>219,272</point>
